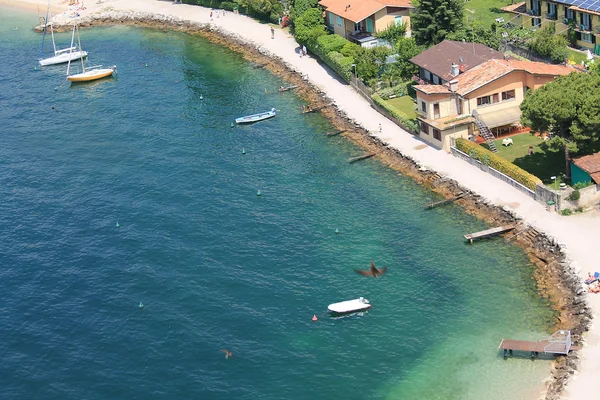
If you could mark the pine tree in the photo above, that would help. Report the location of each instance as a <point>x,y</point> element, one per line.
<point>434,19</point>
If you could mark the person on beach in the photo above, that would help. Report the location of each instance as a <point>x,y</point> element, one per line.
<point>590,279</point>
<point>272,33</point>
<point>594,288</point>
<point>211,16</point>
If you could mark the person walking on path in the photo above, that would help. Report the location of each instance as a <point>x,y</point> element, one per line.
<point>304,50</point>
<point>272,33</point>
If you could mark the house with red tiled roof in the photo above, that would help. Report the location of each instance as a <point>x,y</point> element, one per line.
<point>586,169</point>
<point>358,20</point>
<point>435,64</point>
<point>489,94</point>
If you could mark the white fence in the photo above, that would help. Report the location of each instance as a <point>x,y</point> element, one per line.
<point>493,172</point>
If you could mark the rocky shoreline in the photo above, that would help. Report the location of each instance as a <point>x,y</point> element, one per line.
<point>556,276</point>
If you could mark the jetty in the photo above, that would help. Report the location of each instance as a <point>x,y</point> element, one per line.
<point>311,110</point>
<point>286,88</point>
<point>363,157</point>
<point>444,202</point>
<point>489,232</point>
<point>558,343</point>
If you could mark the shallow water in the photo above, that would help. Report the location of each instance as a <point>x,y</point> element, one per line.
<point>215,265</point>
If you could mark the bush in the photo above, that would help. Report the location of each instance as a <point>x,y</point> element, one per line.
<point>566,211</point>
<point>581,185</point>
<point>340,64</point>
<point>328,43</point>
<point>575,195</point>
<point>309,26</point>
<point>579,209</point>
<point>408,124</point>
<point>350,50</point>
<point>498,163</point>
<point>398,90</point>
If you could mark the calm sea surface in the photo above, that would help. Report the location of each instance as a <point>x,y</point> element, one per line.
<point>216,266</point>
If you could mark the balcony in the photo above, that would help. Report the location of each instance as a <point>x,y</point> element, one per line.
<point>583,28</point>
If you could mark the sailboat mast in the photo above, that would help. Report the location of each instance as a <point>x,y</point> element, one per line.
<point>53,42</point>
<point>79,46</point>
<point>45,28</point>
<point>71,50</point>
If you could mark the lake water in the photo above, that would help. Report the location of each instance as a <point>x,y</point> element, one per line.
<point>216,266</point>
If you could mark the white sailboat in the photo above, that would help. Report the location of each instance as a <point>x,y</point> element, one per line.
<point>60,56</point>
<point>90,73</point>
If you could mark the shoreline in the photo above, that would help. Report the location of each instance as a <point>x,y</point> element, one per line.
<point>556,277</point>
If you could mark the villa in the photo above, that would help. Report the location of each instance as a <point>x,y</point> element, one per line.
<point>583,16</point>
<point>487,96</point>
<point>434,63</point>
<point>358,20</point>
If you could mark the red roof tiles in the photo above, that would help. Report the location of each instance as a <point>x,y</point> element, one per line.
<point>357,10</point>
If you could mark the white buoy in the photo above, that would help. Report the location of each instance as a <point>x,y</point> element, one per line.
<point>141,305</point>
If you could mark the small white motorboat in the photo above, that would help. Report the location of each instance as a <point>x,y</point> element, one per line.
<point>350,306</point>
<point>256,117</point>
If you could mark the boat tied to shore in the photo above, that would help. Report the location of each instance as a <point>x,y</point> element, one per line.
<point>90,73</point>
<point>256,117</point>
<point>60,56</point>
<point>349,306</point>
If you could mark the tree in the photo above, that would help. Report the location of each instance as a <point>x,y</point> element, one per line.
<point>569,107</point>
<point>435,19</point>
<point>309,26</point>
<point>392,33</point>
<point>370,62</point>
<point>299,7</point>
<point>477,32</point>
<point>406,48</point>
<point>547,43</point>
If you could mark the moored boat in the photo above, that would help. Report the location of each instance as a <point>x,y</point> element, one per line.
<point>256,117</point>
<point>92,74</point>
<point>350,306</point>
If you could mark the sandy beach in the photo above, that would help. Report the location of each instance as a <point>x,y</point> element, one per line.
<point>575,234</point>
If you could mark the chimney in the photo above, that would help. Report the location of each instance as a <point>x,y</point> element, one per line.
<point>453,85</point>
<point>454,70</point>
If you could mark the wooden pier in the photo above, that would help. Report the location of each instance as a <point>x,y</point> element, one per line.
<point>489,233</point>
<point>311,110</point>
<point>336,132</point>
<point>558,343</point>
<point>363,157</point>
<point>444,202</point>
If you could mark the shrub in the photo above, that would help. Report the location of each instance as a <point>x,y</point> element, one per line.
<point>581,185</point>
<point>579,209</point>
<point>309,26</point>
<point>575,195</point>
<point>398,90</point>
<point>328,43</point>
<point>566,211</point>
<point>408,124</point>
<point>498,163</point>
<point>350,50</point>
<point>340,64</point>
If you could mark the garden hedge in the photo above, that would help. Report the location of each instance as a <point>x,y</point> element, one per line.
<point>498,163</point>
<point>408,124</point>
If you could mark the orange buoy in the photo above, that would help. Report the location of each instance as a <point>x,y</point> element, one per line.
<point>314,318</point>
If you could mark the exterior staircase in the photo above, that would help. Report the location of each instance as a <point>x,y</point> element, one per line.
<point>485,132</point>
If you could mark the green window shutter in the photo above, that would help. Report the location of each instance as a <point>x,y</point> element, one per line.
<point>369,25</point>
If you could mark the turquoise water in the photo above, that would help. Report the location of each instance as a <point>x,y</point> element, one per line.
<point>216,266</point>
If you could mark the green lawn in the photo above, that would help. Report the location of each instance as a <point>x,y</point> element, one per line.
<point>481,10</point>
<point>542,163</point>
<point>577,56</point>
<point>404,105</point>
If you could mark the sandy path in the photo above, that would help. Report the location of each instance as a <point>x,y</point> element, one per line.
<point>579,233</point>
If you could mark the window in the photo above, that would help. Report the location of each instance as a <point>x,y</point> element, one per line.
<point>339,21</point>
<point>436,110</point>
<point>427,75</point>
<point>424,128</point>
<point>331,19</point>
<point>423,106</point>
<point>508,95</point>
<point>459,106</point>
<point>437,134</point>
<point>495,98</point>
<point>482,101</point>
<point>398,21</point>
<point>586,37</point>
